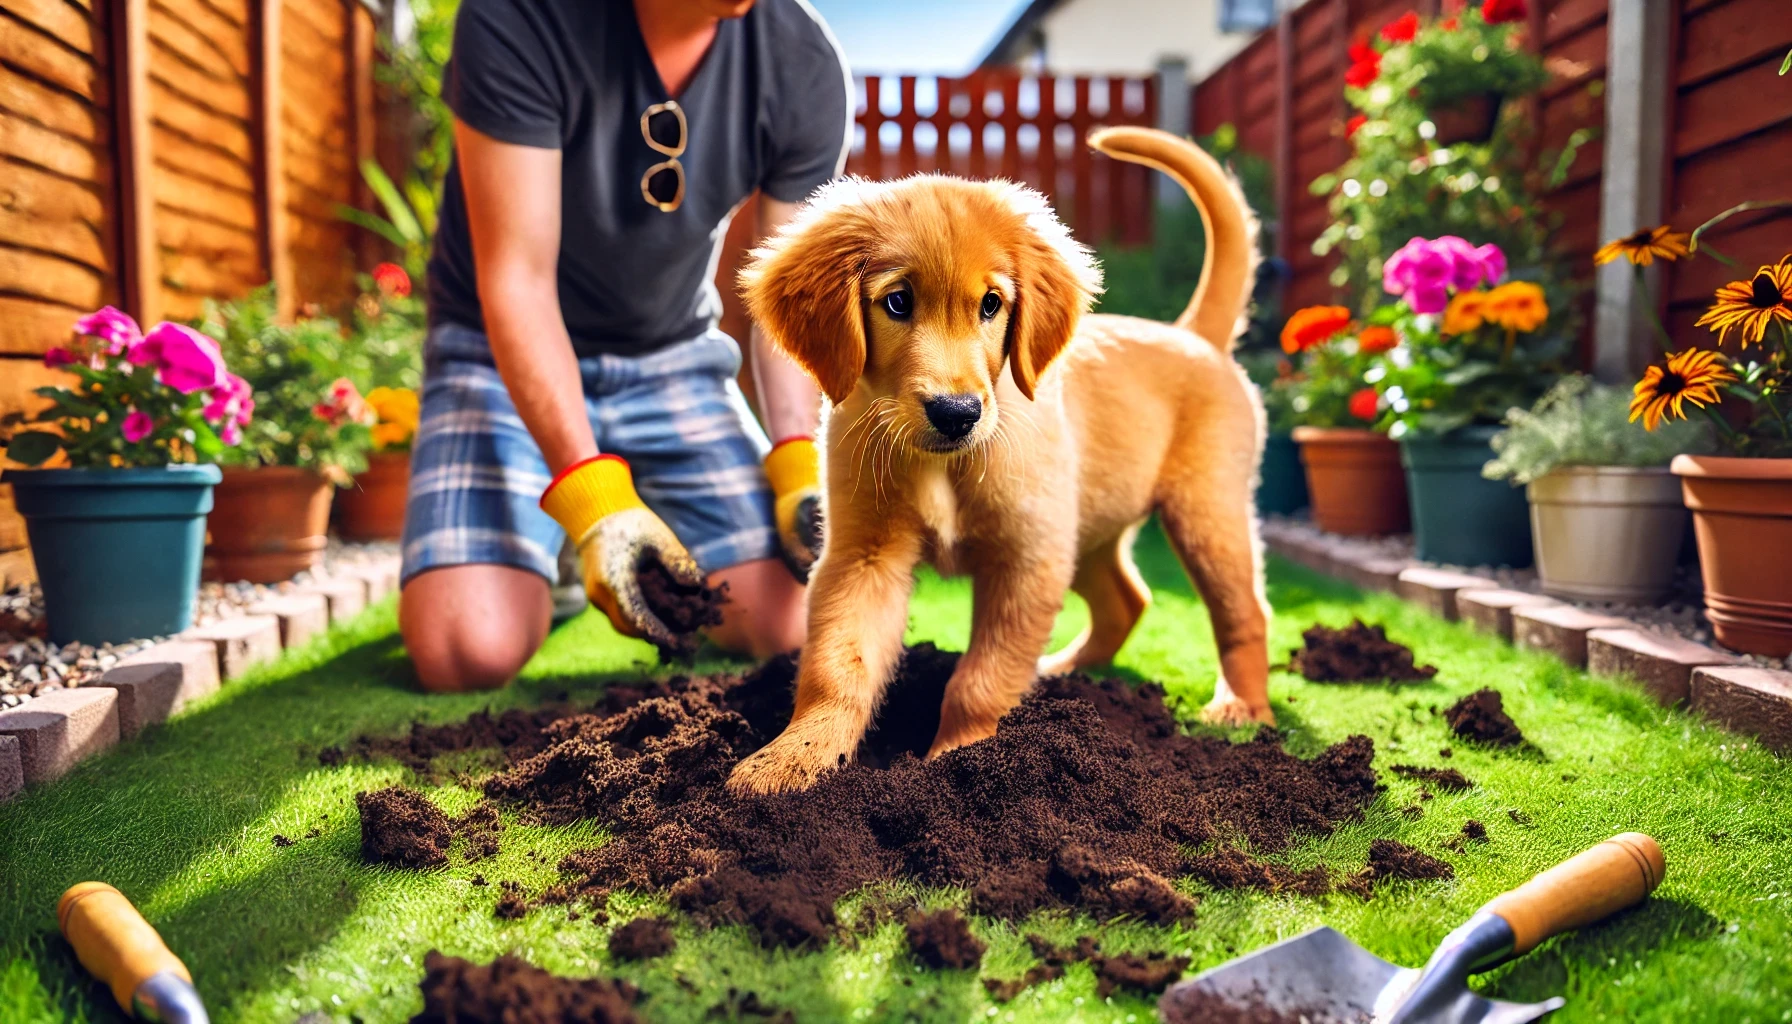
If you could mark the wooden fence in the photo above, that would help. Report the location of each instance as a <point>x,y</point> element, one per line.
<point>1730,120</point>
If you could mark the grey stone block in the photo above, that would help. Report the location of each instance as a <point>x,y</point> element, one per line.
<point>242,642</point>
<point>1663,664</point>
<point>301,616</point>
<point>1436,589</point>
<point>12,770</point>
<point>1560,629</point>
<point>1491,610</point>
<point>346,595</point>
<point>60,729</point>
<point>1756,701</point>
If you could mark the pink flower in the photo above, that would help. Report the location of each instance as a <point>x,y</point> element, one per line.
<point>344,405</point>
<point>230,434</point>
<point>231,401</point>
<point>1493,260</point>
<point>1426,270</point>
<point>116,329</point>
<point>136,426</point>
<point>391,280</point>
<point>186,360</point>
<point>59,356</point>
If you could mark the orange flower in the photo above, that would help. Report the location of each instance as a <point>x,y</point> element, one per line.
<point>1690,376</point>
<point>1314,325</point>
<point>1467,312</point>
<point>1363,403</point>
<point>1376,339</point>
<point>1517,306</point>
<point>1644,247</point>
<point>1752,304</point>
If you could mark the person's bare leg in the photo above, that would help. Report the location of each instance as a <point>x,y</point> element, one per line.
<point>473,627</point>
<point>764,614</point>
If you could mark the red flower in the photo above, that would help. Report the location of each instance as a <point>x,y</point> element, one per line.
<point>1355,124</point>
<point>1496,12</point>
<point>1361,75</point>
<point>391,280</point>
<point>1363,53</point>
<point>1401,29</point>
<point>1450,24</point>
<point>1314,325</point>
<point>1376,339</point>
<point>1362,404</point>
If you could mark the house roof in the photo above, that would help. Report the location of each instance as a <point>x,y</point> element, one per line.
<point>1002,51</point>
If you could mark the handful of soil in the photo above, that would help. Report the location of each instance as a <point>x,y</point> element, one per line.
<point>510,990</point>
<point>400,827</point>
<point>1356,653</point>
<point>1481,717</point>
<point>685,609</point>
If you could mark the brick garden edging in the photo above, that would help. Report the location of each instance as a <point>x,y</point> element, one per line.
<point>1674,670</point>
<point>43,738</point>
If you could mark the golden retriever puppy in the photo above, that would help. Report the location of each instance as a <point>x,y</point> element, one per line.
<point>981,422</point>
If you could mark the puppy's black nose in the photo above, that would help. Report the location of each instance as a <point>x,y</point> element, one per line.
<point>954,415</point>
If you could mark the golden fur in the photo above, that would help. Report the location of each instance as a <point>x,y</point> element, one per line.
<point>1099,422</point>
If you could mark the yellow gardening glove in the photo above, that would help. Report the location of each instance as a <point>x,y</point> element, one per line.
<point>794,468</point>
<point>595,503</point>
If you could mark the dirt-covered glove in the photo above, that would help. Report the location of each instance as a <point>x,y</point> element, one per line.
<point>595,503</point>
<point>794,469</point>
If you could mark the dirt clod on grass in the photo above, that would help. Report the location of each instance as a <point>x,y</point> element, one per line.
<point>1148,973</point>
<point>1481,717</point>
<point>1356,653</point>
<point>942,940</point>
<point>1201,1007</point>
<point>1392,860</point>
<point>685,609</point>
<point>402,828</point>
<point>1447,779</point>
<point>644,938</point>
<point>510,990</point>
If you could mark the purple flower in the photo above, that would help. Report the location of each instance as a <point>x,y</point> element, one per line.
<point>116,329</point>
<point>59,356</point>
<point>136,426</point>
<point>186,360</point>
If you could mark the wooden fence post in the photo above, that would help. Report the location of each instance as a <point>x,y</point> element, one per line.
<point>270,192</point>
<point>358,45</point>
<point>140,264</point>
<point>1285,136</point>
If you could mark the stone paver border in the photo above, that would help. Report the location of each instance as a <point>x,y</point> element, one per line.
<point>42,739</point>
<point>1674,670</point>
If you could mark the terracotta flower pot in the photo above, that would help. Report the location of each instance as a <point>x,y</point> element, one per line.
<point>1355,481</point>
<point>1607,533</point>
<point>268,524</point>
<point>1742,516</point>
<point>373,507</point>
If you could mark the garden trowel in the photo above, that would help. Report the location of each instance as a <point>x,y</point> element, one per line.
<point>1322,977</point>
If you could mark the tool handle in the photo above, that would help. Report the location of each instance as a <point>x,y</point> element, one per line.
<point>1587,887</point>
<point>113,940</point>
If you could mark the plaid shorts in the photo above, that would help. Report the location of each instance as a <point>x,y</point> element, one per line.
<point>676,415</point>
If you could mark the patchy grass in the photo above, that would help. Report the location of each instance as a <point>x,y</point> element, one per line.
<point>183,819</point>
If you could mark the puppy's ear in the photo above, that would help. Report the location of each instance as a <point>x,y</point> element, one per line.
<point>1056,279</point>
<point>803,287</point>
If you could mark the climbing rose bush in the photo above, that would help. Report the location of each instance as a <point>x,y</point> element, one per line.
<point>136,399</point>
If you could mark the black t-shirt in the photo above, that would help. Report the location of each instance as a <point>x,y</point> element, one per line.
<point>768,108</point>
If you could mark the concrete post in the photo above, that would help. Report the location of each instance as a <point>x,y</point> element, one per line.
<point>1632,195</point>
<point>1173,116</point>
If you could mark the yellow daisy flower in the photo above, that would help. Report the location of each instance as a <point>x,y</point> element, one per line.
<point>1753,304</point>
<point>1644,247</point>
<point>1690,376</point>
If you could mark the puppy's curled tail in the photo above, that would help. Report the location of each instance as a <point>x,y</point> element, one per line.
<point>1217,310</point>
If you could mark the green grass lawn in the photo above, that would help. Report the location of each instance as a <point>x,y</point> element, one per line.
<point>182,820</point>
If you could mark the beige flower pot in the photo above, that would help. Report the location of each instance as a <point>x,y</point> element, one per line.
<point>1607,533</point>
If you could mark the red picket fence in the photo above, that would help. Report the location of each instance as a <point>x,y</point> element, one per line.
<point>1023,128</point>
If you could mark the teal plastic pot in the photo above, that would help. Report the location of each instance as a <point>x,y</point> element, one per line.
<point>1282,481</point>
<point>1460,517</point>
<point>117,550</point>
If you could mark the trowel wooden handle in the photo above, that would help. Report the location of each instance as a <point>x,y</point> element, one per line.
<point>113,940</point>
<point>1587,887</point>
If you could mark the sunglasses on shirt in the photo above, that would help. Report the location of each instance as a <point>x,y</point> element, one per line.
<point>664,128</point>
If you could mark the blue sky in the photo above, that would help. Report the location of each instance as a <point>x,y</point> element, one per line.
<point>924,36</point>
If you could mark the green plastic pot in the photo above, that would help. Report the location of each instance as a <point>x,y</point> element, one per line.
<point>1282,481</point>
<point>117,550</point>
<point>1460,517</point>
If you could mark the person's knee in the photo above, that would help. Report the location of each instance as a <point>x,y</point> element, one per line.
<point>455,647</point>
<point>764,615</point>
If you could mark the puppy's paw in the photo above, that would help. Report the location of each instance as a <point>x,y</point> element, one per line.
<point>787,764</point>
<point>1230,711</point>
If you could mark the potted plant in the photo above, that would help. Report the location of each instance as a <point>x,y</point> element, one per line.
<point>271,513</point>
<point>1470,352</point>
<point>1353,471</point>
<point>117,531</point>
<point>384,356</point>
<point>1741,498</point>
<point>1460,70</point>
<point>1606,517</point>
<point>1281,479</point>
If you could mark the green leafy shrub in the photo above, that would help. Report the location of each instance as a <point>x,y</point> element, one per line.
<point>1583,423</point>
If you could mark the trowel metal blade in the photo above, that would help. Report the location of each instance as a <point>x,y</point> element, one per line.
<point>1322,977</point>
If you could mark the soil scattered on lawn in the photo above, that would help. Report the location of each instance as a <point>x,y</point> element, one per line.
<point>400,827</point>
<point>1391,860</point>
<point>510,990</point>
<point>1447,779</point>
<point>1481,717</point>
<point>1189,1006</point>
<point>685,609</point>
<point>942,940</point>
<point>644,938</point>
<point>1356,653</point>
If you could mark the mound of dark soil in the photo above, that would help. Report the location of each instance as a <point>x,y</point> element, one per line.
<point>1356,653</point>
<point>510,990</point>
<point>400,827</point>
<point>1481,717</point>
<point>685,609</point>
<point>1231,868</point>
<point>1447,779</point>
<point>644,938</point>
<point>943,941</point>
<point>1390,860</point>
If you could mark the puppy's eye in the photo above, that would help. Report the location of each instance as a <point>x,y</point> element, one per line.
<point>899,304</point>
<point>992,304</point>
